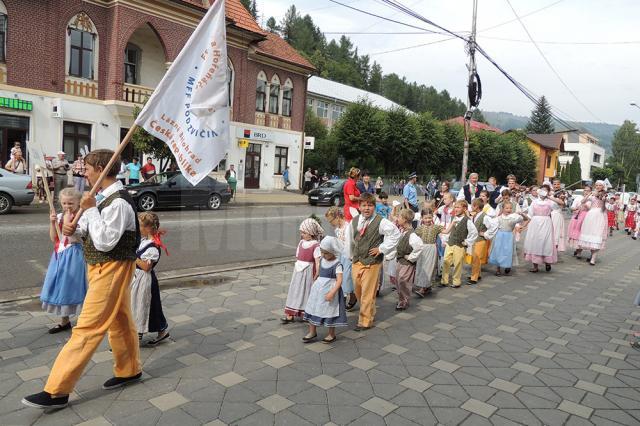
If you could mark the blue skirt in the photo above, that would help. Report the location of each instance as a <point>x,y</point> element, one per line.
<point>502,249</point>
<point>65,284</point>
<point>317,304</point>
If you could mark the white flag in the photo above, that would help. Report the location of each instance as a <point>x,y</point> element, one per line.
<point>189,110</point>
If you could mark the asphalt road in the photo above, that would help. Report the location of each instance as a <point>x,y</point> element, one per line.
<point>194,238</point>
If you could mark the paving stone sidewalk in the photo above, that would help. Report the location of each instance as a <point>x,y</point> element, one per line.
<point>546,348</point>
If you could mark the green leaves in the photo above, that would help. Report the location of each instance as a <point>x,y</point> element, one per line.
<point>541,120</point>
<point>626,154</point>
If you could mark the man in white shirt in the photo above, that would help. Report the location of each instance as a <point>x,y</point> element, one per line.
<point>372,237</point>
<point>307,180</point>
<point>59,167</point>
<point>471,190</point>
<point>112,234</point>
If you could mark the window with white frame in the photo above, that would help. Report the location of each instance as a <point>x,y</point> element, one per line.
<point>310,103</point>
<point>132,55</point>
<point>261,92</point>
<point>274,95</point>
<point>82,46</point>
<point>337,112</point>
<point>322,109</point>
<point>282,154</point>
<point>287,98</point>
<point>596,158</point>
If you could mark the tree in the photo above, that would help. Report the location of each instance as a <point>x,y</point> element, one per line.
<point>324,155</point>
<point>477,116</point>
<point>250,5</point>
<point>541,120</point>
<point>149,144</point>
<point>601,173</point>
<point>626,152</point>
<point>272,25</point>
<point>575,170</point>
<point>400,142</point>
<point>375,78</point>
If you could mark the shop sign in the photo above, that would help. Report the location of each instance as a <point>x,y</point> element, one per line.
<point>13,103</point>
<point>255,134</point>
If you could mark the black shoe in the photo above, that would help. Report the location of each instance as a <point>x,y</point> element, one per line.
<point>471,282</point>
<point>59,327</point>
<point>117,382</point>
<point>157,340</point>
<point>507,271</point>
<point>547,267</point>
<point>361,328</point>
<point>43,400</point>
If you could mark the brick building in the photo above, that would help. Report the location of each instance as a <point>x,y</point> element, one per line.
<point>71,80</point>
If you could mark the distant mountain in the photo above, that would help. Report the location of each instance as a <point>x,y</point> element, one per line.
<point>507,121</point>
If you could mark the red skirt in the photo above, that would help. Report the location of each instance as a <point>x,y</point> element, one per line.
<point>630,222</point>
<point>611,216</point>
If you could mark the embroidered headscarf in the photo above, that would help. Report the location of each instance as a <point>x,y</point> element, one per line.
<point>313,228</point>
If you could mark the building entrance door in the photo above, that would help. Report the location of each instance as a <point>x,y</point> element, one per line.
<point>252,166</point>
<point>13,129</point>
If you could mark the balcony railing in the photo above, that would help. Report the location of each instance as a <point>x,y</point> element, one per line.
<point>135,94</point>
<point>79,87</point>
<point>271,120</point>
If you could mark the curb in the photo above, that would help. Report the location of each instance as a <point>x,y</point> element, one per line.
<point>185,273</point>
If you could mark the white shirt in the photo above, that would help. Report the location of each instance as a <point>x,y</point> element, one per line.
<point>342,233</point>
<point>107,227</point>
<point>387,229</point>
<point>486,220</point>
<point>495,224</point>
<point>460,195</point>
<point>416,244</point>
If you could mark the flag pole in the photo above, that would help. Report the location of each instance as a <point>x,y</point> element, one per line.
<point>105,171</point>
<point>47,191</point>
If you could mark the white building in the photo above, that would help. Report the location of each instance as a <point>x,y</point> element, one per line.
<point>586,147</point>
<point>329,99</point>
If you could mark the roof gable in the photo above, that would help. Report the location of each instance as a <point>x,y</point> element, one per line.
<point>549,141</point>
<point>334,90</point>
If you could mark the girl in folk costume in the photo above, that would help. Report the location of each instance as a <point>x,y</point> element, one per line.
<point>630,221</point>
<point>326,306</point>
<point>305,269</point>
<point>428,232</point>
<point>503,243</point>
<point>619,202</point>
<point>444,217</point>
<point>65,284</point>
<point>407,252</point>
<point>557,218</point>
<point>579,210</point>
<point>335,217</point>
<point>593,234</point>
<point>611,214</point>
<point>637,228</point>
<point>146,305</point>
<point>539,244</point>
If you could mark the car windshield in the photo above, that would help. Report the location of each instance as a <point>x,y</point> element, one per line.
<point>330,184</point>
<point>161,178</point>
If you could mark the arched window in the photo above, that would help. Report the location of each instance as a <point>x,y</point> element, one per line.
<point>287,98</point>
<point>274,95</point>
<point>261,92</point>
<point>82,47</point>
<point>132,55</point>
<point>230,76</point>
<point>3,32</point>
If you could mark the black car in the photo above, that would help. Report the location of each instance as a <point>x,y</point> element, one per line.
<point>330,192</point>
<point>171,189</point>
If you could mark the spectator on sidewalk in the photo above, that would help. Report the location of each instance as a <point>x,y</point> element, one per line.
<point>122,174</point>
<point>379,185</point>
<point>232,178</point>
<point>59,166</point>
<point>148,170</point>
<point>307,181</point>
<point>285,178</point>
<point>134,171</point>
<point>17,164</point>
<point>410,193</point>
<point>365,185</point>
<point>351,194</point>
<point>78,170</point>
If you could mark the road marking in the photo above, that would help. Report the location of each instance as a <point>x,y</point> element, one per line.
<point>37,266</point>
<point>287,245</point>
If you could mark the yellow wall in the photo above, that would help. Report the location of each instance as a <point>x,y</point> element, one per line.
<point>542,171</point>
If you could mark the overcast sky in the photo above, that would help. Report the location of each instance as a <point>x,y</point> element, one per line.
<point>603,77</point>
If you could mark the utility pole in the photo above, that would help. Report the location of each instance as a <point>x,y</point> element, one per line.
<point>471,103</point>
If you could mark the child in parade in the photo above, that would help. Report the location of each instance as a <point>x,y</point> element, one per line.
<point>579,209</point>
<point>428,232</point>
<point>593,234</point>
<point>305,270</point>
<point>486,207</point>
<point>557,217</point>
<point>480,251</point>
<point>461,234</point>
<point>111,235</point>
<point>382,206</point>
<point>146,305</point>
<point>65,284</point>
<point>503,243</point>
<point>630,221</point>
<point>539,244</point>
<point>620,207</point>
<point>611,214</point>
<point>372,237</point>
<point>407,253</point>
<point>444,216</point>
<point>335,217</point>
<point>325,306</point>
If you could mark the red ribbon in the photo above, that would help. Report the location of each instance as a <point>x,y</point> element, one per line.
<point>157,240</point>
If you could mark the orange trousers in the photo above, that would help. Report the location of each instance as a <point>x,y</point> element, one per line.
<point>365,280</point>
<point>479,257</point>
<point>106,308</point>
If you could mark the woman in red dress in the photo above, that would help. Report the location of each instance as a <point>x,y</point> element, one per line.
<point>351,194</point>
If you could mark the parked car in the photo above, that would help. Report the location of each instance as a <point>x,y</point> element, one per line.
<point>329,192</point>
<point>171,189</point>
<point>15,190</point>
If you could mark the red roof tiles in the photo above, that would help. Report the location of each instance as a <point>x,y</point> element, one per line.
<point>274,46</point>
<point>475,125</point>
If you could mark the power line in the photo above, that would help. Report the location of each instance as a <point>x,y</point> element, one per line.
<point>411,47</point>
<point>551,67</point>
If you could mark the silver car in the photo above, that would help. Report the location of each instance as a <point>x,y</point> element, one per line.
<point>15,190</point>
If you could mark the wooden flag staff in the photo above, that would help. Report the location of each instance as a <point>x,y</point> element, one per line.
<point>105,171</point>
<point>47,191</point>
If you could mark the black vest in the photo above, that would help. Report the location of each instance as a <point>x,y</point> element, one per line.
<point>467,192</point>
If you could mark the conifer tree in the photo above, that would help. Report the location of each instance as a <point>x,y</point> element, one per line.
<point>541,120</point>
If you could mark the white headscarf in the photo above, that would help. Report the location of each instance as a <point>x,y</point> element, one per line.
<point>332,245</point>
<point>313,228</point>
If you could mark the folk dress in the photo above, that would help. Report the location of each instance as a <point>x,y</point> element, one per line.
<point>611,215</point>
<point>426,264</point>
<point>630,222</point>
<point>302,279</point>
<point>575,224</point>
<point>65,284</point>
<point>559,234</point>
<point>146,306</point>
<point>539,244</point>
<point>593,234</point>
<point>345,258</point>
<point>503,244</point>
<point>320,312</point>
